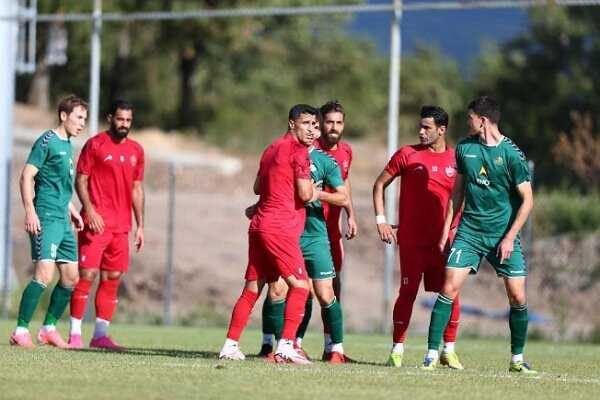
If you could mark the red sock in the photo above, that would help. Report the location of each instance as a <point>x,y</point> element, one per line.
<point>452,327</point>
<point>294,312</point>
<point>79,298</point>
<point>106,298</point>
<point>241,313</point>
<point>403,311</point>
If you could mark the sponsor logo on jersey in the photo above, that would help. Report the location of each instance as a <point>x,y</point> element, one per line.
<point>482,179</point>
<point>418,168</point>
<point>122,158</point>
<point>434,168</point>
<point>133,160</point>
<point>108,157</point>
<point>498,161</point>
<point>450,171</point>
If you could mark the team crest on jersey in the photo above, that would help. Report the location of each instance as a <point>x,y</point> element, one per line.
<point>133,161</point>
<point>498,161</point>
<point>450,171</point>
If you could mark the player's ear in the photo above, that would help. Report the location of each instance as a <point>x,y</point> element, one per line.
<point>63,116</point>
<point>108,118</point>
<point>291,124</point>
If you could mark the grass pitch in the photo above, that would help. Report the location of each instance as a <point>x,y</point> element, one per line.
<point>170,363</point>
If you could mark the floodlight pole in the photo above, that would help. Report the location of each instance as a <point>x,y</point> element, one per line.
<point>8,38</point>
<point>392,189</point>
<point>96,49</point>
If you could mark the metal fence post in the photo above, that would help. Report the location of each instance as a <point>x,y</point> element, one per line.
<point>167,317</point>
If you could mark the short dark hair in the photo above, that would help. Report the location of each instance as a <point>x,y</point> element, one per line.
<point>439,115</point>
<point>120,104</point>
<point>68,104</point>
<point>332,106</point>
<point>485,106</point>
<point>299,109</point>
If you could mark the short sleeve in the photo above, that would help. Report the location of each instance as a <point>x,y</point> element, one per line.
<point>333,176</point>
<point>397,163</point>
<point>86,159</point>
<point>39,151</point>
<point>300,163</point>
<point>138,174</point>
<point>518,168</point>
<point>349,160</point>
<point>458,154</point>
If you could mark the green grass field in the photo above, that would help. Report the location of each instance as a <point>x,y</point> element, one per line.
<point>168,363</point>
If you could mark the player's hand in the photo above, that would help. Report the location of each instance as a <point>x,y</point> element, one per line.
<point>386,233</point>
<point>352,228</point>
<point>250,211</point>
<point>95,221</point>
<point>77,221</point>
<point>315,196</point>
<point>505,249</point>
<point>139,239</point>
<point>32,223</point>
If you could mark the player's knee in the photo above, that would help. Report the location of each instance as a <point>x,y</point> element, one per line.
<point>69,281</point>
<point>88,274</point>
<point>111,275</point>
<point>325,295</point>
<point>450,290</point>
<point>517,299</point>
<point>277,292</point>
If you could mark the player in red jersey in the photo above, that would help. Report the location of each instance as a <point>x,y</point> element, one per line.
<point>427,171</point>
<point>284,186</point>
<point>109,179</point>
<point>334,117</point>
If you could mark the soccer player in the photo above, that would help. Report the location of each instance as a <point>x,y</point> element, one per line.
<point>493,187</point>
<point>110,172</point>
<point>284,186</point>
<point>46,188</point>
<point>330,141</point>
<point>427,172</point>
<point>316,250</point>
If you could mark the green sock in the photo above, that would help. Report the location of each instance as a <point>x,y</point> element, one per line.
<point>307,314</point>
<point>440,315</point>
<point>518,320</point>
<point>272,317</point>
<point>335,320</point>
<point>61,296</point>
<point>29,301</point>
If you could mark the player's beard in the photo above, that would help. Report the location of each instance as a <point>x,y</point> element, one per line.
<point>119,133</point>
<point>332,139</point>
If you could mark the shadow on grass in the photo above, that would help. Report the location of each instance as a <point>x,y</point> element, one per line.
<point>142,351</point>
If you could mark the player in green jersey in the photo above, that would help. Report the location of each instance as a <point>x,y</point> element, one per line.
<point>46,187</point>
<point>493,185</point>
<point>316,250</point>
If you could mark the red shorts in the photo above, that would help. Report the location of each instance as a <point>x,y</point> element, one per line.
<point>422,260</point>
<point>271,256</point>
<point>108,250</point>
<point>337,252</point>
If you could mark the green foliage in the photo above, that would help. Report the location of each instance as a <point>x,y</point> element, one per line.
<point>566,212</point>
<point>543,75</point>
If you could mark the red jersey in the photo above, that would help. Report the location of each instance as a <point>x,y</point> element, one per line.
<point>426,186</point>
<point>112,168</point>
<point>280,210</point>
<point>343,156</point>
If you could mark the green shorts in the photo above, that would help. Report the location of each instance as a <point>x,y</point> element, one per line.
<point>468,250</point>
<point>317,257</point>
<point>56,243</point>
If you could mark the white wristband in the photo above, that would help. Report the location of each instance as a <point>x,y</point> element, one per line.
<point>380,219</point>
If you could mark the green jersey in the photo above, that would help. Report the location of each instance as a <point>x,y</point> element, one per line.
<point>324,172</point>
<point>53,157</point>
<point>491,175</point>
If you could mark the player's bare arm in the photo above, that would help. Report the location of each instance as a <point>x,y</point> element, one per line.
<point>95,220</point>
<point>75,217</point>
<point>26,186</point>
<point>138,212</point>
<point>352,225</point>
<point>338,198</point>
<point>385,231</point>
<point>306,190</point>
<point>505,248</point>
<point>455,203</point>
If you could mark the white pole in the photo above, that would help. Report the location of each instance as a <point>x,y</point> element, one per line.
<point>8,38</point>
<point>392,191</point>
<point>169,278</point>
<point>95,68</point>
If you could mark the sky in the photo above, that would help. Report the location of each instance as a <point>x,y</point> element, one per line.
<point>458,33</point>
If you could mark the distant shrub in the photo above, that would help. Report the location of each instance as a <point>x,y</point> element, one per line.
<point>566,212</point>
